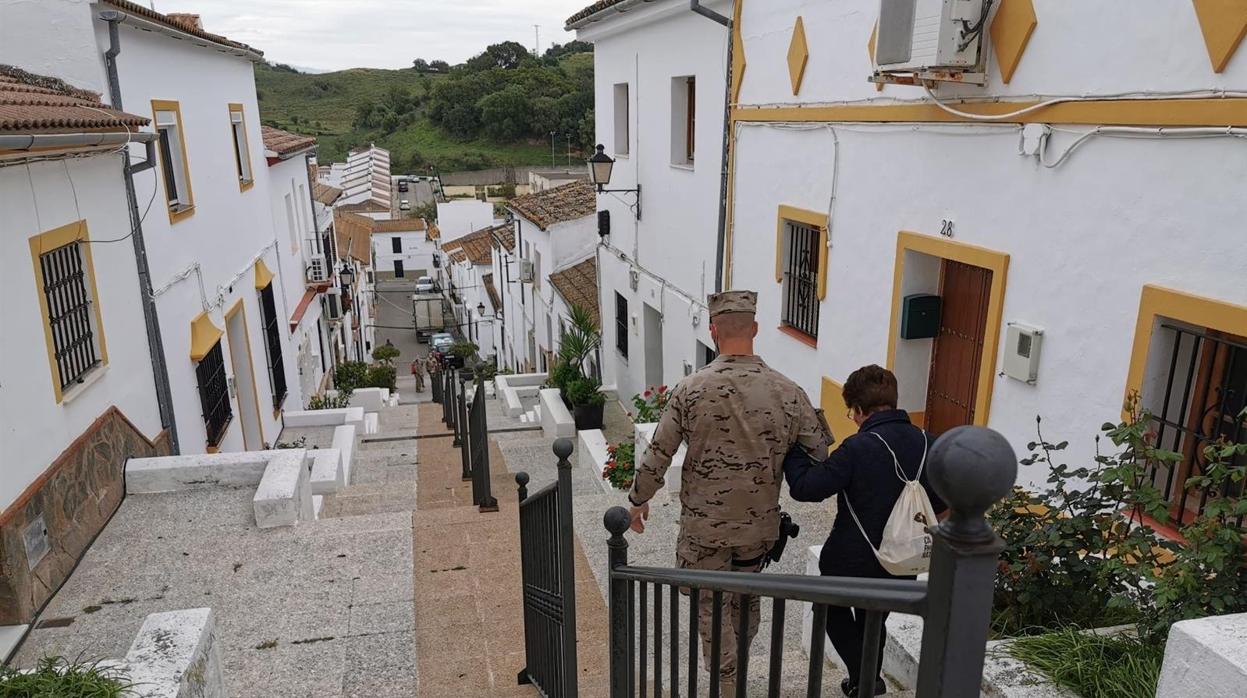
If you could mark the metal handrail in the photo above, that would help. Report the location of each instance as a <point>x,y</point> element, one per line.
<point>900,595</point>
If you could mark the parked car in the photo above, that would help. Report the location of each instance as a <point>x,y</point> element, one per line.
<point>426,284</point>
<point>442,341</point>
<point>404,205</point>
<point>402,185</point>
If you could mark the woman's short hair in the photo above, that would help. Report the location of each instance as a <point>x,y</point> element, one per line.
<point>870,389</point>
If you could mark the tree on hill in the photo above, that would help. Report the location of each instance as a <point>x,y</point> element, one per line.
<point>421,65</point>
<point>507,55</point>
<point>439,66</point>
<point>559,50</point>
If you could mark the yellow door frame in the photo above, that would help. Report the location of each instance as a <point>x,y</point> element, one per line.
<point>974,255</point>
<point>255,398</point>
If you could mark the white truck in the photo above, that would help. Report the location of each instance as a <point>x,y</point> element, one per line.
<point>427,309</point>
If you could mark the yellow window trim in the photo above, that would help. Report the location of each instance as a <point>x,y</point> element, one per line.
<point>943,248</point>
<point>171,105</point>
<point>831,399</point>
<point>243,184</point>
<point>806,217</point>
<point>50,240</point>
<point>263,277</point>
<point>204,336</point>
<point>738,53</point>
<point>1158,301</point>
<point>255,397</point>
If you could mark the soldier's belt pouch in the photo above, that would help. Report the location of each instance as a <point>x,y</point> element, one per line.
<point>748,563</point>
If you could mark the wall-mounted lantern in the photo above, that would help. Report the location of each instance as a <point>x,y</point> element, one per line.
<point>600,167</point>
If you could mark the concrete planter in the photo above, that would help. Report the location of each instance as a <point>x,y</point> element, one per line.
<point>644,435</point>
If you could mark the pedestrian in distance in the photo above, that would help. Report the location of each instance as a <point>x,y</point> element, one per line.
<point>865,476</point>
<point>739,418</point>
<point>417,372</point>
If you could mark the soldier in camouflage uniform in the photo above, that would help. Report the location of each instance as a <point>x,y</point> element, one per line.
<point>740,418</point>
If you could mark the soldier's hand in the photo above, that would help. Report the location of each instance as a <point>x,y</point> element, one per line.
<point>640,514</point>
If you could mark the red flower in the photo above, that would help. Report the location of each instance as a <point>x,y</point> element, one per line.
<point>648,393</point>
<point>662,388</point>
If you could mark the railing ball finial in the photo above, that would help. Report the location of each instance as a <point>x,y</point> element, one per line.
<point>617,520</point>
<point>971,468</point>
<point>521,479</point>
<point>563,448</point>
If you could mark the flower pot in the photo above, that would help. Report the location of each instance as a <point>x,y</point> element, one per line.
<point>566,403</point>
<point>588,416</point>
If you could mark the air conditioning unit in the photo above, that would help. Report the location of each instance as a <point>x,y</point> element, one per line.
<point>317,270</point>
<point>526,271</point>
<point>333,307</point>
<point>918,36</point>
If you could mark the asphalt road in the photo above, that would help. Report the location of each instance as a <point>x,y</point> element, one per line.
<point>417,193</point>
<point>394,320</point>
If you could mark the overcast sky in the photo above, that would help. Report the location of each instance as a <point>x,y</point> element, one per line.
<point>336,34</point>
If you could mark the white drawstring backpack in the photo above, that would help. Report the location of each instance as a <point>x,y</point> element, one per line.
<point>906,545</point>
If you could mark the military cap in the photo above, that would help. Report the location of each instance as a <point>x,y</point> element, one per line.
<point>733,302</point>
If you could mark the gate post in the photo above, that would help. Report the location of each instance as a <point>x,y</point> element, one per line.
<point>971,468</point>
<point>478,448</point>
<point>461,424</point>
<point>617,520</point>
<point>521,482</point>
<point>567,566</point>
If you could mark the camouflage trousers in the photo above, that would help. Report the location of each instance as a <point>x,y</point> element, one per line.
<point>694,555</point>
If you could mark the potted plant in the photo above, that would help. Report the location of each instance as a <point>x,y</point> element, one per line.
<point>620,467</point>
<point>588,402</point>
<point>460,352</point>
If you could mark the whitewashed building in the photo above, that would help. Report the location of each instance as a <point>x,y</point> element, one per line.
<point>659,98</point>
<point>469,263</point>
<point>1049,242</point>
<point>458,218</point>
<point>352,303</point>
<point>302,210</point>
<point>402,248</point>
<point>366,177</point>
<point>554,229</point>
<point>77,386</point>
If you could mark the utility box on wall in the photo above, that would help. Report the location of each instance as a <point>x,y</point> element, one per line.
<point>1022,352</point>
<point>920,316</point>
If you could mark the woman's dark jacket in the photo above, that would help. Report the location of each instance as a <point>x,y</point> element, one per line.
<point>862,469</point>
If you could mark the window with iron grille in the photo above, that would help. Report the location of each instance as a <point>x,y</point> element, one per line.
<point>214,393</point>
<point>70,318</point>
<point>1204,379</point>
<point>621,324</point>
<point>272,345</point>
<point>800,288</point>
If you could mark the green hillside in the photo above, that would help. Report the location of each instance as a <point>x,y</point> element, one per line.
<point>405,112</point>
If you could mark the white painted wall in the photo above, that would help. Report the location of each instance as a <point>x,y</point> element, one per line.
<point>34,429</point>
<point>229,228</point>
<point>25,30</point>
<point>672,248</point>
<point>416,253</point>
<point>1083,237</point>
<point>458,218</point>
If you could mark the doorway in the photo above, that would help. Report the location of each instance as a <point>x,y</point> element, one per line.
<point>398,269</point>
<point>653,346</point>
<point>244,376</point>
<point>957,349</point>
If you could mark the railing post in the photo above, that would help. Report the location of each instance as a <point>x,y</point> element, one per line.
<point>461,423</point>
<point>617,520</point>
<point>971,468</point>
<point>521,483</point>
<point>479,449</point>
<point>567,566</point>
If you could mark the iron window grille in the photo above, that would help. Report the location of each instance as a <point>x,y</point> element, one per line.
<point>69,313</point>
<point>621,324</point>
<point>272,345</point>
<point>214,393</point>
<point>166,154</point>
<point>801,304</point>
<point>1205,379</point>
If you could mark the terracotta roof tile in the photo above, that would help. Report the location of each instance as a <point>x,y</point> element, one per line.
<point>32,103</point>
<point>325,194</point>
<point>368,205</point>
<point>506,235</point>
<point>558,205</point>
<point>434,232</point>
<point>492,291</point>
<point>182,22</point>
<point>477,246</point>
<point>398,225</point>
<point>578,285</point>
<point>284,142</point>
<point>353,234</point>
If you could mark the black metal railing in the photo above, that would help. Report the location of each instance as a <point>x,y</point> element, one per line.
<point>476,451</point>
<point>970,467</point>
<point>435,387</point>
<point>547,562</point>
<point>69,313</point>
<point>1205,395</point>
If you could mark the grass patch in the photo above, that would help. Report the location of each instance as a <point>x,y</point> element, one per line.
<point>56,676</point>
<point>1093,666</point>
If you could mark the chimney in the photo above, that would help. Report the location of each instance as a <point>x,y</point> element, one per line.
<point>187,20</point>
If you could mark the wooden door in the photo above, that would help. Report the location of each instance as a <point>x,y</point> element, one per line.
<point>957,352</point>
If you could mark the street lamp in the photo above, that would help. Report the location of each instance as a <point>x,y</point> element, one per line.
<point>600,167</point>
<point>480,309</point>
<point>347,275</point>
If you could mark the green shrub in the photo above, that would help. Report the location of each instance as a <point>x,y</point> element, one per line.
<point>620,468</point>
<point>585,391</point>
<point>382,377</point>
<point>350,375</point>
<point>463,349</point>
<point>59,677</point>
<point>485,371</point>
<point>649,406</point>
<point>562,375</point>
<point>325,402</point>
<point>386,353</point>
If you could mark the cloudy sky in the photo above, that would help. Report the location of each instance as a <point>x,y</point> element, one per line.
<point>336,34</point>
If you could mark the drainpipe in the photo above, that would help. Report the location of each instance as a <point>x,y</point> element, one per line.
<point>160,369</point>
<point>721,238</point>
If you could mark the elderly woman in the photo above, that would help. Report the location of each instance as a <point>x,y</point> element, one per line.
<point>861,474</point>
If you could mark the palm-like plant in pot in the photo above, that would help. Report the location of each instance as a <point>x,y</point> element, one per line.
<point>577,344</point>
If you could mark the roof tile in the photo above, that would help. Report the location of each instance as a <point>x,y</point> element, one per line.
<point>181,22</point>
<point>578,285</point>
<point>285,142</point>
<point>558,205</point>
<point>37,104</point>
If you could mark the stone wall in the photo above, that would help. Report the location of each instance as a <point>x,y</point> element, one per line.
<point>76,496</point>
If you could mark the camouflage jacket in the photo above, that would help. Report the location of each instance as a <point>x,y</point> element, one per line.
<point>740,418</point>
